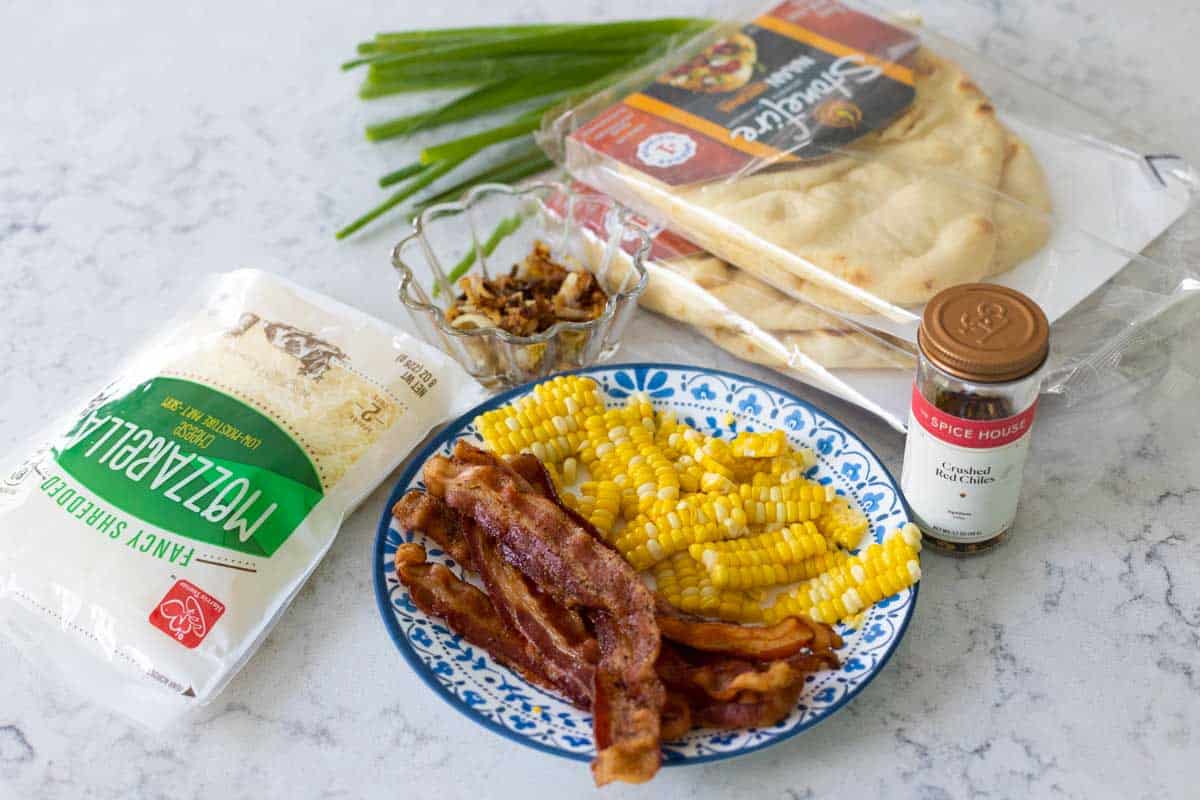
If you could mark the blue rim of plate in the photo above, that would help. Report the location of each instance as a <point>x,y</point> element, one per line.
<point>382,598</point>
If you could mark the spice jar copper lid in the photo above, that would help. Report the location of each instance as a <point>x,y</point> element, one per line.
<point>984,333</point>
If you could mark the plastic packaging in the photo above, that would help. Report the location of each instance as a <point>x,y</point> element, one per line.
<point>820,154</point>
<point>156,533</point>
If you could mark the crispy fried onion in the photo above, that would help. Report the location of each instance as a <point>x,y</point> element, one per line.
<point>567,562</point>
<point>566,648</point>
<point>760,643</point>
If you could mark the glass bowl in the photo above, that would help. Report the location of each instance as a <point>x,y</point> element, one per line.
<point>494,227</point>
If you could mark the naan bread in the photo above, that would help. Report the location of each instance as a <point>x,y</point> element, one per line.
<point>902,214</point>
<point>1021,230</point>
<point>832,349</point>
<point>827,339</point>
<point>1018,221</point>
<point>1022,212</point>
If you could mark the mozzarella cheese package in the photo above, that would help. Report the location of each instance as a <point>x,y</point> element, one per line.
<point>152,537</point>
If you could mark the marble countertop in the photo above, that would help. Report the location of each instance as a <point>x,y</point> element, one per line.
<point>144,145</point>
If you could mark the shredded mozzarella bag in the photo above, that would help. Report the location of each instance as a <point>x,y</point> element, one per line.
<point>152,538</point>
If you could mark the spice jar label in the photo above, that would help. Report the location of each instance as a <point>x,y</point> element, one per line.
<point>962,477</point>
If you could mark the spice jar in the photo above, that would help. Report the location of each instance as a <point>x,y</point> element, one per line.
<point>981,351</point>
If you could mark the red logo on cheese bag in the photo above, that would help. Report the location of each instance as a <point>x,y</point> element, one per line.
<point>187,614</point>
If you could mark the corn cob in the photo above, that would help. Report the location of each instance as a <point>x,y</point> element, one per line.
<point>726,576</point>
<point>716,520</point>
<point>843,523</point>
<point>646,541</point>
<point>785,546</point>
<point>548,422</point>
<point>760,445</point>
<point>759,541</point>
<point>857,583</point>
<point>683,582</point>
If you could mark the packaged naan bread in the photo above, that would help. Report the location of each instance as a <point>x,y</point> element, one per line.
<point>738,312</point>
<point>836,170</point>
<point>153,535</point>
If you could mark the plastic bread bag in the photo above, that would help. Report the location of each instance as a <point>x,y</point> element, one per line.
<point>154,534</point>
<point>863,166</point>
<point>752,320</point>
<point>734,310</point>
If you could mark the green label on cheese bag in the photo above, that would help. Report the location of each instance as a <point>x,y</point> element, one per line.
<point>195,462</point>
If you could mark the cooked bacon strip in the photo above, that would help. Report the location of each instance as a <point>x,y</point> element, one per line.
<point>567,650</point>
<point>438,592</point>
<point>676,717</point>
<point>566,561</point>
<point>719,677</point>
<point>530,467</point>
<point>626,715</point>
<point>418,511</point>
<point>759,643</point>
<point>755,711</point>
<point>423,512</point>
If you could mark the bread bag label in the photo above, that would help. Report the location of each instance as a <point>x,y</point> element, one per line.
<point>598,215</point>
<point>799,82</point>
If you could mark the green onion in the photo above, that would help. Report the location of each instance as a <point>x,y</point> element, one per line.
<point>403,39</point>
<point>393,79</point>
<point>511,170</point>
<point>618,37</point>
<point>404,173</point>
<point>422,180</point>
<point>492,97</point>
<point>469,145</point>
<point>501,67</point>
<point>507,227</point>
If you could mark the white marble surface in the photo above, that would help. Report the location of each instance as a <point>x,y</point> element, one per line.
<point>145,144</point>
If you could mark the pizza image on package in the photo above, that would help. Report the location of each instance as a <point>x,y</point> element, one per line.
<point>724,66</point>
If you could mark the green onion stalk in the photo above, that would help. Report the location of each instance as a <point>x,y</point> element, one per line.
<point>521,70</point>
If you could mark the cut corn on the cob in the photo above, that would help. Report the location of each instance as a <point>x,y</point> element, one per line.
<point>717,521</point>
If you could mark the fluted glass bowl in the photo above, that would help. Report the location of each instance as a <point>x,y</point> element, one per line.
<point>495,227</point>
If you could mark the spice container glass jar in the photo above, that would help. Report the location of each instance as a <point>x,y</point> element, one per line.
<point>973,402</point>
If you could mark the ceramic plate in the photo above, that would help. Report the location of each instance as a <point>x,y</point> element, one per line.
<point>490,694</point>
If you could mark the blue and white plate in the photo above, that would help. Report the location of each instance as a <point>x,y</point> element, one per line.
<point>473,683</point>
